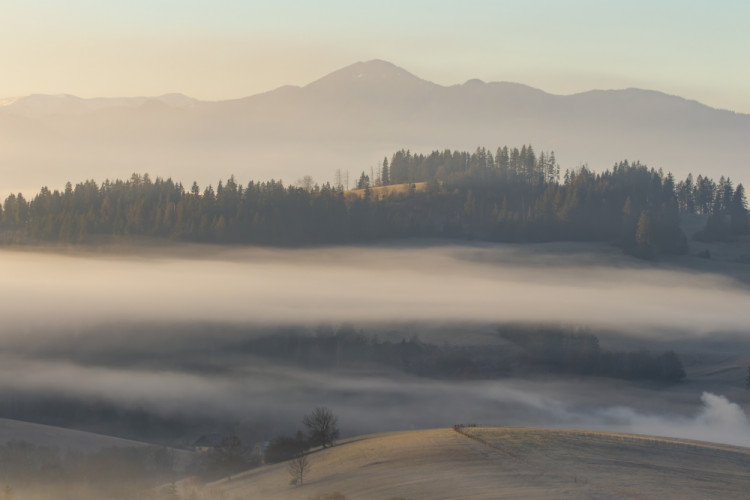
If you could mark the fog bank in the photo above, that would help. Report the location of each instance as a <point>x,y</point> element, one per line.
<point>264,393</point>
<point>487,283</point>
<point>77,326</point>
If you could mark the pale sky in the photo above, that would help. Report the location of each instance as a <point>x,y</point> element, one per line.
<point>221,49</point>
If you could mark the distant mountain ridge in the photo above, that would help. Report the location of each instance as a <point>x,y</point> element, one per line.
<point>44,104</point>
<point>371,77</point>
<point>349,120</point>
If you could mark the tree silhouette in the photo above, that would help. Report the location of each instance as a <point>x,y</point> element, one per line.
<point>738,219</point>
<point>514,196</point>
<point>643,238</point>
<point>298,467</point>
<point>321,427</point>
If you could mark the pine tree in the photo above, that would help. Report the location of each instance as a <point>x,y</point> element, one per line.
<point>502,159</point>
<point>704,194</point>
<point>629,224</point>
<point>685,195</point>
<point>364,181</point>
<point>738,217</point>
<point>726,196</point>
<point>643,236</point>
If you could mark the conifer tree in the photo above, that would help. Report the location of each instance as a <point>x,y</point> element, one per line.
<point>385,177</point>
<point>738,216</point>
<point>643,236</point>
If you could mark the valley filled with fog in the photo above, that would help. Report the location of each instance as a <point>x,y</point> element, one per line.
<point>170,333</point>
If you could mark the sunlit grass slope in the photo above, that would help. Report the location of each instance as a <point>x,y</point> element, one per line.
<point>485,463</point>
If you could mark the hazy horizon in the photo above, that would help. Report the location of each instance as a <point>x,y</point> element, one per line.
<point>227,50</point>
<point>105,100</point>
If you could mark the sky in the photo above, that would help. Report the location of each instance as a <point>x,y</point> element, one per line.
<point>222,49</point>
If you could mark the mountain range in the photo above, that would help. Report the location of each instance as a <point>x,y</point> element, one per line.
<point>349,120</point>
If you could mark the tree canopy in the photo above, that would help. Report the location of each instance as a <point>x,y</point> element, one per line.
<point>513,195</point>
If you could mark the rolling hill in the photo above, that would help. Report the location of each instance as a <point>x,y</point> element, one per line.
<point>61,438</point>
<point>506,463</point>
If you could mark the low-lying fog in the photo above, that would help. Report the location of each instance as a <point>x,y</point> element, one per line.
<point>51,299</point>
<point>482,283</point>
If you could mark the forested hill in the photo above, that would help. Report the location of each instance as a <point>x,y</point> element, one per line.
<point>513,195</point>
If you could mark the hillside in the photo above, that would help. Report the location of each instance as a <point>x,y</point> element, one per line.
<point>507,463</point>
<point>64,439</point>
<point>349,120</point>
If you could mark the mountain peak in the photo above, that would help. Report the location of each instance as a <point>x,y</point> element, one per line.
<point>474,81</point>
<point>375,72</point>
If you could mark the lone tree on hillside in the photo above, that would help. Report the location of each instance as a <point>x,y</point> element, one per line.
<point>321,427</point>
<point>297,468</point>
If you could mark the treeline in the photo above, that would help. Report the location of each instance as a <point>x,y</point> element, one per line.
<point>579,353</point>
<point>348,348</point>
<point>543,349</point>
<point>445,166</point>
<point>725,204</point>
<point>514,195</point>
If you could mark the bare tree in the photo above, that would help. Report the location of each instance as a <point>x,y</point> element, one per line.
<point>307,183</point>
<point>338,180</point>
<point>321,427</point>
<point>298,467</point>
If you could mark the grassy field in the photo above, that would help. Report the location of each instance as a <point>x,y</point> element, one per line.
<point>487,463</point>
